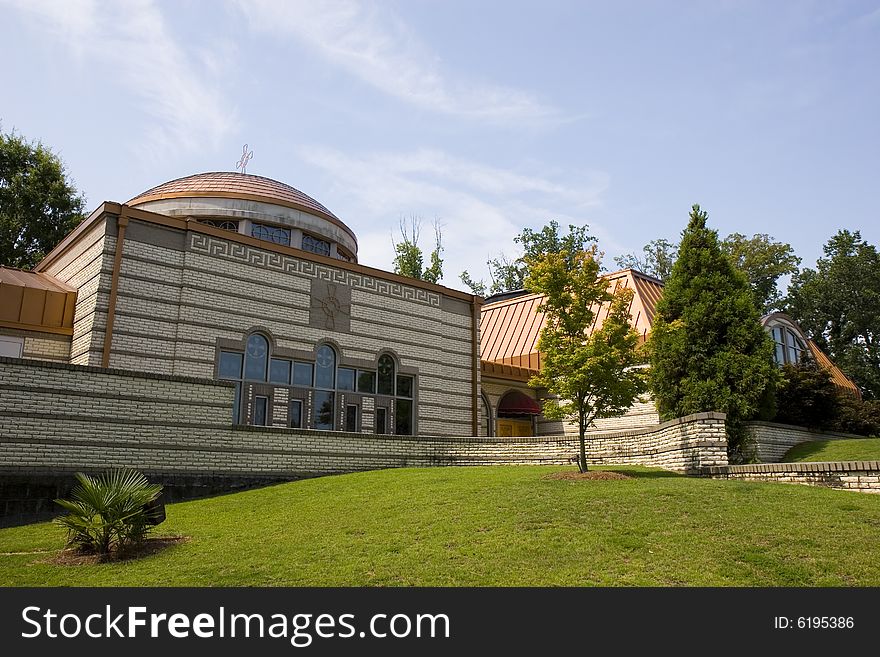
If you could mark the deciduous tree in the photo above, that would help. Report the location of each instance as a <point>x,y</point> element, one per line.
<point>38,204</point>
<point>506,275</point>
<point>838,305</point>
<point>409,259</point>
<point>591,374</point>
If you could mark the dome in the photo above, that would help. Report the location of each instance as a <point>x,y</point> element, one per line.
<point>242,201</point>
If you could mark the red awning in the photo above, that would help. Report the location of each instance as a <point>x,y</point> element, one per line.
<point>518,403</point>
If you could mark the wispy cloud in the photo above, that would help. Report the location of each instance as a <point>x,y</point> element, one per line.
<point>132,39</point>
<point>376,46</point>
<point>480,208</point>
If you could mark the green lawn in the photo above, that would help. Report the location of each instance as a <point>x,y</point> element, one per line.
<point>856,449</point>
<point>493,526</point>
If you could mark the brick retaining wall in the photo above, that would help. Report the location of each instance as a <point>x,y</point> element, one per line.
<point>56,419</point>
<point>861,476</point>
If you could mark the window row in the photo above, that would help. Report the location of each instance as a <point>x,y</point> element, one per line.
<point>324,418</point>
<point>255,364</point>
<point>278,235</point>
<point>329,383</point>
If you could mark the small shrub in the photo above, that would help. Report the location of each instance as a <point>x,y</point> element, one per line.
<point>806,396</point>
<point>858,416</point>
<point>109,511</point>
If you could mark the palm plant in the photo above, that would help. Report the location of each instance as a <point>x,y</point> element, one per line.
<point>109,511</point>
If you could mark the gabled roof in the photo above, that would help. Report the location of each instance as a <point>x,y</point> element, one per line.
<point>510,328</point>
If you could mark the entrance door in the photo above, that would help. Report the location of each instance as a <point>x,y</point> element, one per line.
<point>509,427</point>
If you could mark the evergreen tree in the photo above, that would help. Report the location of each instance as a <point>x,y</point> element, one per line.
<point>708,349</point>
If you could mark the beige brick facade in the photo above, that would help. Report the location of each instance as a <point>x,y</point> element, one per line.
<point>180,291</point>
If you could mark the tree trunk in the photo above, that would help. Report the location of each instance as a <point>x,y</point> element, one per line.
<point>582,459</point>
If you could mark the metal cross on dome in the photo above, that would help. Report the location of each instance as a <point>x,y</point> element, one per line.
<point>245,158</point>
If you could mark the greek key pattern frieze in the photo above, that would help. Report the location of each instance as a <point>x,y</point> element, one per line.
<point>255,257</point>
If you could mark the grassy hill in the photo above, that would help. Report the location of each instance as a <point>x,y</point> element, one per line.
<point>492,526</point>
<point>856,449</point>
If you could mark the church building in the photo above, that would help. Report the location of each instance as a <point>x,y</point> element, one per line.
<point>242,278</point>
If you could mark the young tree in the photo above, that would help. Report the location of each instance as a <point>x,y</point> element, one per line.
<point>838,305</point>
<point>593,375</point>
<point>764,261</point>
<point>507,275</point>
<point>38,205</point>
<point>409,260</point>
<point>708,349</point>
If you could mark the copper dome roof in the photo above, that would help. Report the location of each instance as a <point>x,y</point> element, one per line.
<point>228,184</point>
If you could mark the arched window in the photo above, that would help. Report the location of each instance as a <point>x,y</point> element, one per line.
<point>325,368</point>
<point>487,414</point>
<point>789,349</point>
<point>256,357</point>
<point>385,375</point>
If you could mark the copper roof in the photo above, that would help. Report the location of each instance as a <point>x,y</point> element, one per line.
<point>35,301</point>
<point>509,329</point>
<point>838,378</point>
<point>228,184</point>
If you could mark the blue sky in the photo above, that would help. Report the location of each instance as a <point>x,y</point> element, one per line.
<point>487,116</point>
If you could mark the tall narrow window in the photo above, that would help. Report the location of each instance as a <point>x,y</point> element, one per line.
<point>351,418</point>
<point>296,414</point>
<point>381,420</point>
<point>323,417</point>
<point>386,375</point>
<point>256,358</point>
<point>325,368</point>
<point>403,425</point>
<point>261,410</point>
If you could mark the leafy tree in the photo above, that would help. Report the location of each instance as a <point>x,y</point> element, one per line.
<point>593,375</point>
<point>409,260</point>
<point>838,306</point>
<point>507,275</point>
<point>708,349</point>
<point>38,205</point>
<point>806,396</point>
<point>660,256</point>
<point>764,261</point>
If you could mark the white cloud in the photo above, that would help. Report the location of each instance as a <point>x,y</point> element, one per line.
<point>376,46</point>
<point>480,208</point>
<point>132,40</point>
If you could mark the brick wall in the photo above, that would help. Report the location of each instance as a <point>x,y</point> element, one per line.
<point>88,266</point>
<point>770,441</point>
<point>860,476</point>
<point>40,345</point>
<point>57,419</point>
<point>181,291</point>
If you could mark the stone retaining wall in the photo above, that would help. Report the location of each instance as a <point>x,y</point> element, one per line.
<point>861,476</point>
<point>771,440</point>
<point>56,419</point>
